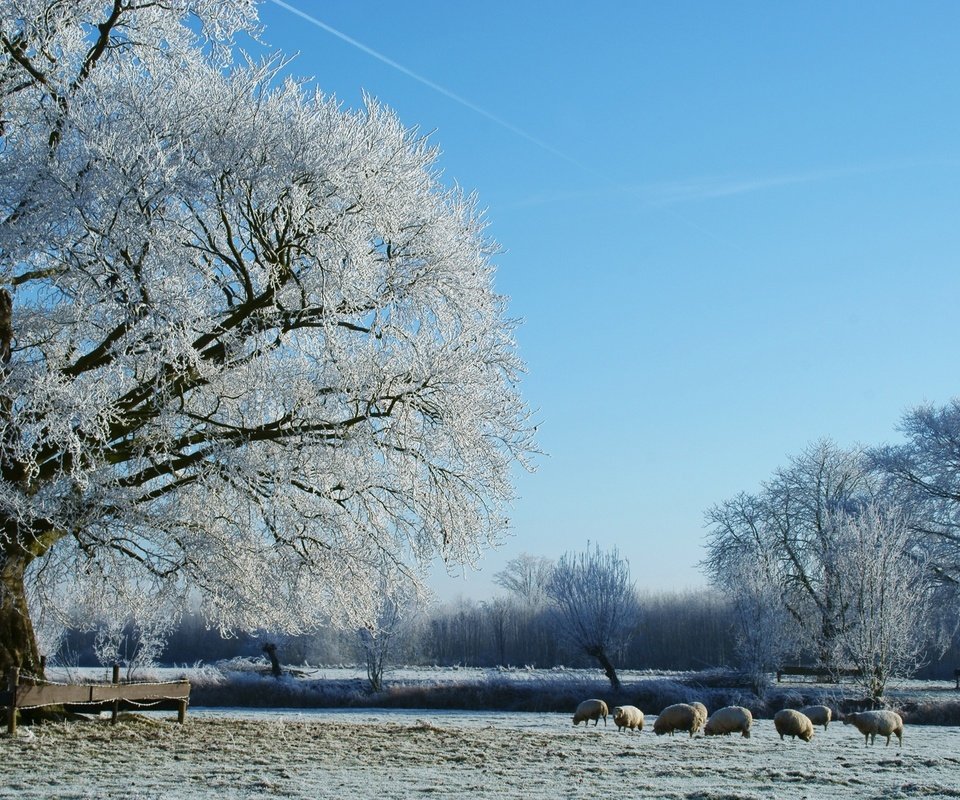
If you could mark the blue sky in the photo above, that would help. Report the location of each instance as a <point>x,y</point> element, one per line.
<point>730,229</point>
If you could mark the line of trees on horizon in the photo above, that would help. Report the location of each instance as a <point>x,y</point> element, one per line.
<point>687,630</point>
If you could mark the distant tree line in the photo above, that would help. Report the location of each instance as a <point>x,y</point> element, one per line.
<point>672,631</point>
<point>688,630</point>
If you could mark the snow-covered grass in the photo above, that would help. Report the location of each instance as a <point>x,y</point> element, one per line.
<point>405,754</point>
<point>392,752</point>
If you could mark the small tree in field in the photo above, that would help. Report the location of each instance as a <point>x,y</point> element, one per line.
<point>595,603</point>
<point>886,591</point>
<point>376,639</point>
<point>744,563</point>
<point>765,631</point>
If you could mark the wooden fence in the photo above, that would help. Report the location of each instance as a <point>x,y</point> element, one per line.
<point>818,673</point>
<point>823,675</point>
<point>33,693</point>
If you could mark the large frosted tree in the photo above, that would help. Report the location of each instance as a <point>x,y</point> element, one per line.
<point>250,349</point>
<point>925,476</point>
<point>787,531</point>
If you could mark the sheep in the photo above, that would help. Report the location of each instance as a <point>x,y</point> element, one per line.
<point>792,723</point>
<point>591,710</point>
<point>870,723</point>
<point>701,714</point>
<point>678,717</point>
<point>628,717</point>
<point>729,719</point>
<point>818,715</point>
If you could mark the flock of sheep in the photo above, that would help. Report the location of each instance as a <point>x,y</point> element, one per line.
<point>692,717</point>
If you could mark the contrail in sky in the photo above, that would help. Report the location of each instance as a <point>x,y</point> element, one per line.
<point>478,110</point>
<point>430,84</point>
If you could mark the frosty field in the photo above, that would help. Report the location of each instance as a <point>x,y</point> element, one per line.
<point>406,754</point>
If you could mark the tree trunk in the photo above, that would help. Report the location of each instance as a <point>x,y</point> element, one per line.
<point>271,651</point>
<point>18,644</point>
<point>599,654</point>
<point>6,326</point>
<point>878,683</point>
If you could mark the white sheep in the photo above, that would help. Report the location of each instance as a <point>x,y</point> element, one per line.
<point>792,723</point>
<point>729,719</point>
<point>590,710</point>
<point>628,717</point>
<point>678,717</point>
<point>818,715</point>
<point>701,710</point>
<point>870,723</point>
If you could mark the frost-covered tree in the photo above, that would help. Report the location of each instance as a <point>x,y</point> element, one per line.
<point>526,577</point>
<point>376,639</point>
<point>250,349</point>
<point>746,566</point>
<point>595,603</point>
<point>925,473</point>
<point>886,592</point>
<point>790,520</point>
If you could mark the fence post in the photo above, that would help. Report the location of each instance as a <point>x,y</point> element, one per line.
<point>12,682</point>
<point>116,703</point>
<point>181,711</point>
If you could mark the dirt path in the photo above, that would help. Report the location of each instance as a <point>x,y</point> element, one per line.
<point>332,758</point>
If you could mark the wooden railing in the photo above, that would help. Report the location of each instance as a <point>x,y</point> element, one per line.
<point>821,673</point>
<point>33,693</point>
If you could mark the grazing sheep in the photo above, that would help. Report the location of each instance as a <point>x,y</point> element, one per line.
<point>701,710</point>
<point>729,719</point>
<point>818,715</point>
<point>590,710</point>
<point>678,717</point>
<point>792,723</point>
<point>628,717</point>
<point>870,723</point>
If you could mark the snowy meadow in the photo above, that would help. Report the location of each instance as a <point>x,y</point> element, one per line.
<point>402,754</point>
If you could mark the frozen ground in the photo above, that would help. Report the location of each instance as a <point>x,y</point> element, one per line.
<point>407,754</point>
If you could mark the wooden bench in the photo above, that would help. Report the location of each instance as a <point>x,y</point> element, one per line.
<point>33,694</point>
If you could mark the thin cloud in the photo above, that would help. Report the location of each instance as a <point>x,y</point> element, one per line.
<point>706,188</point>
<point>715,187</point>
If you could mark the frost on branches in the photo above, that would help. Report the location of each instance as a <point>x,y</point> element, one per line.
<point>887,595</point>
<point>825,562</point>
<point>251,350</point>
